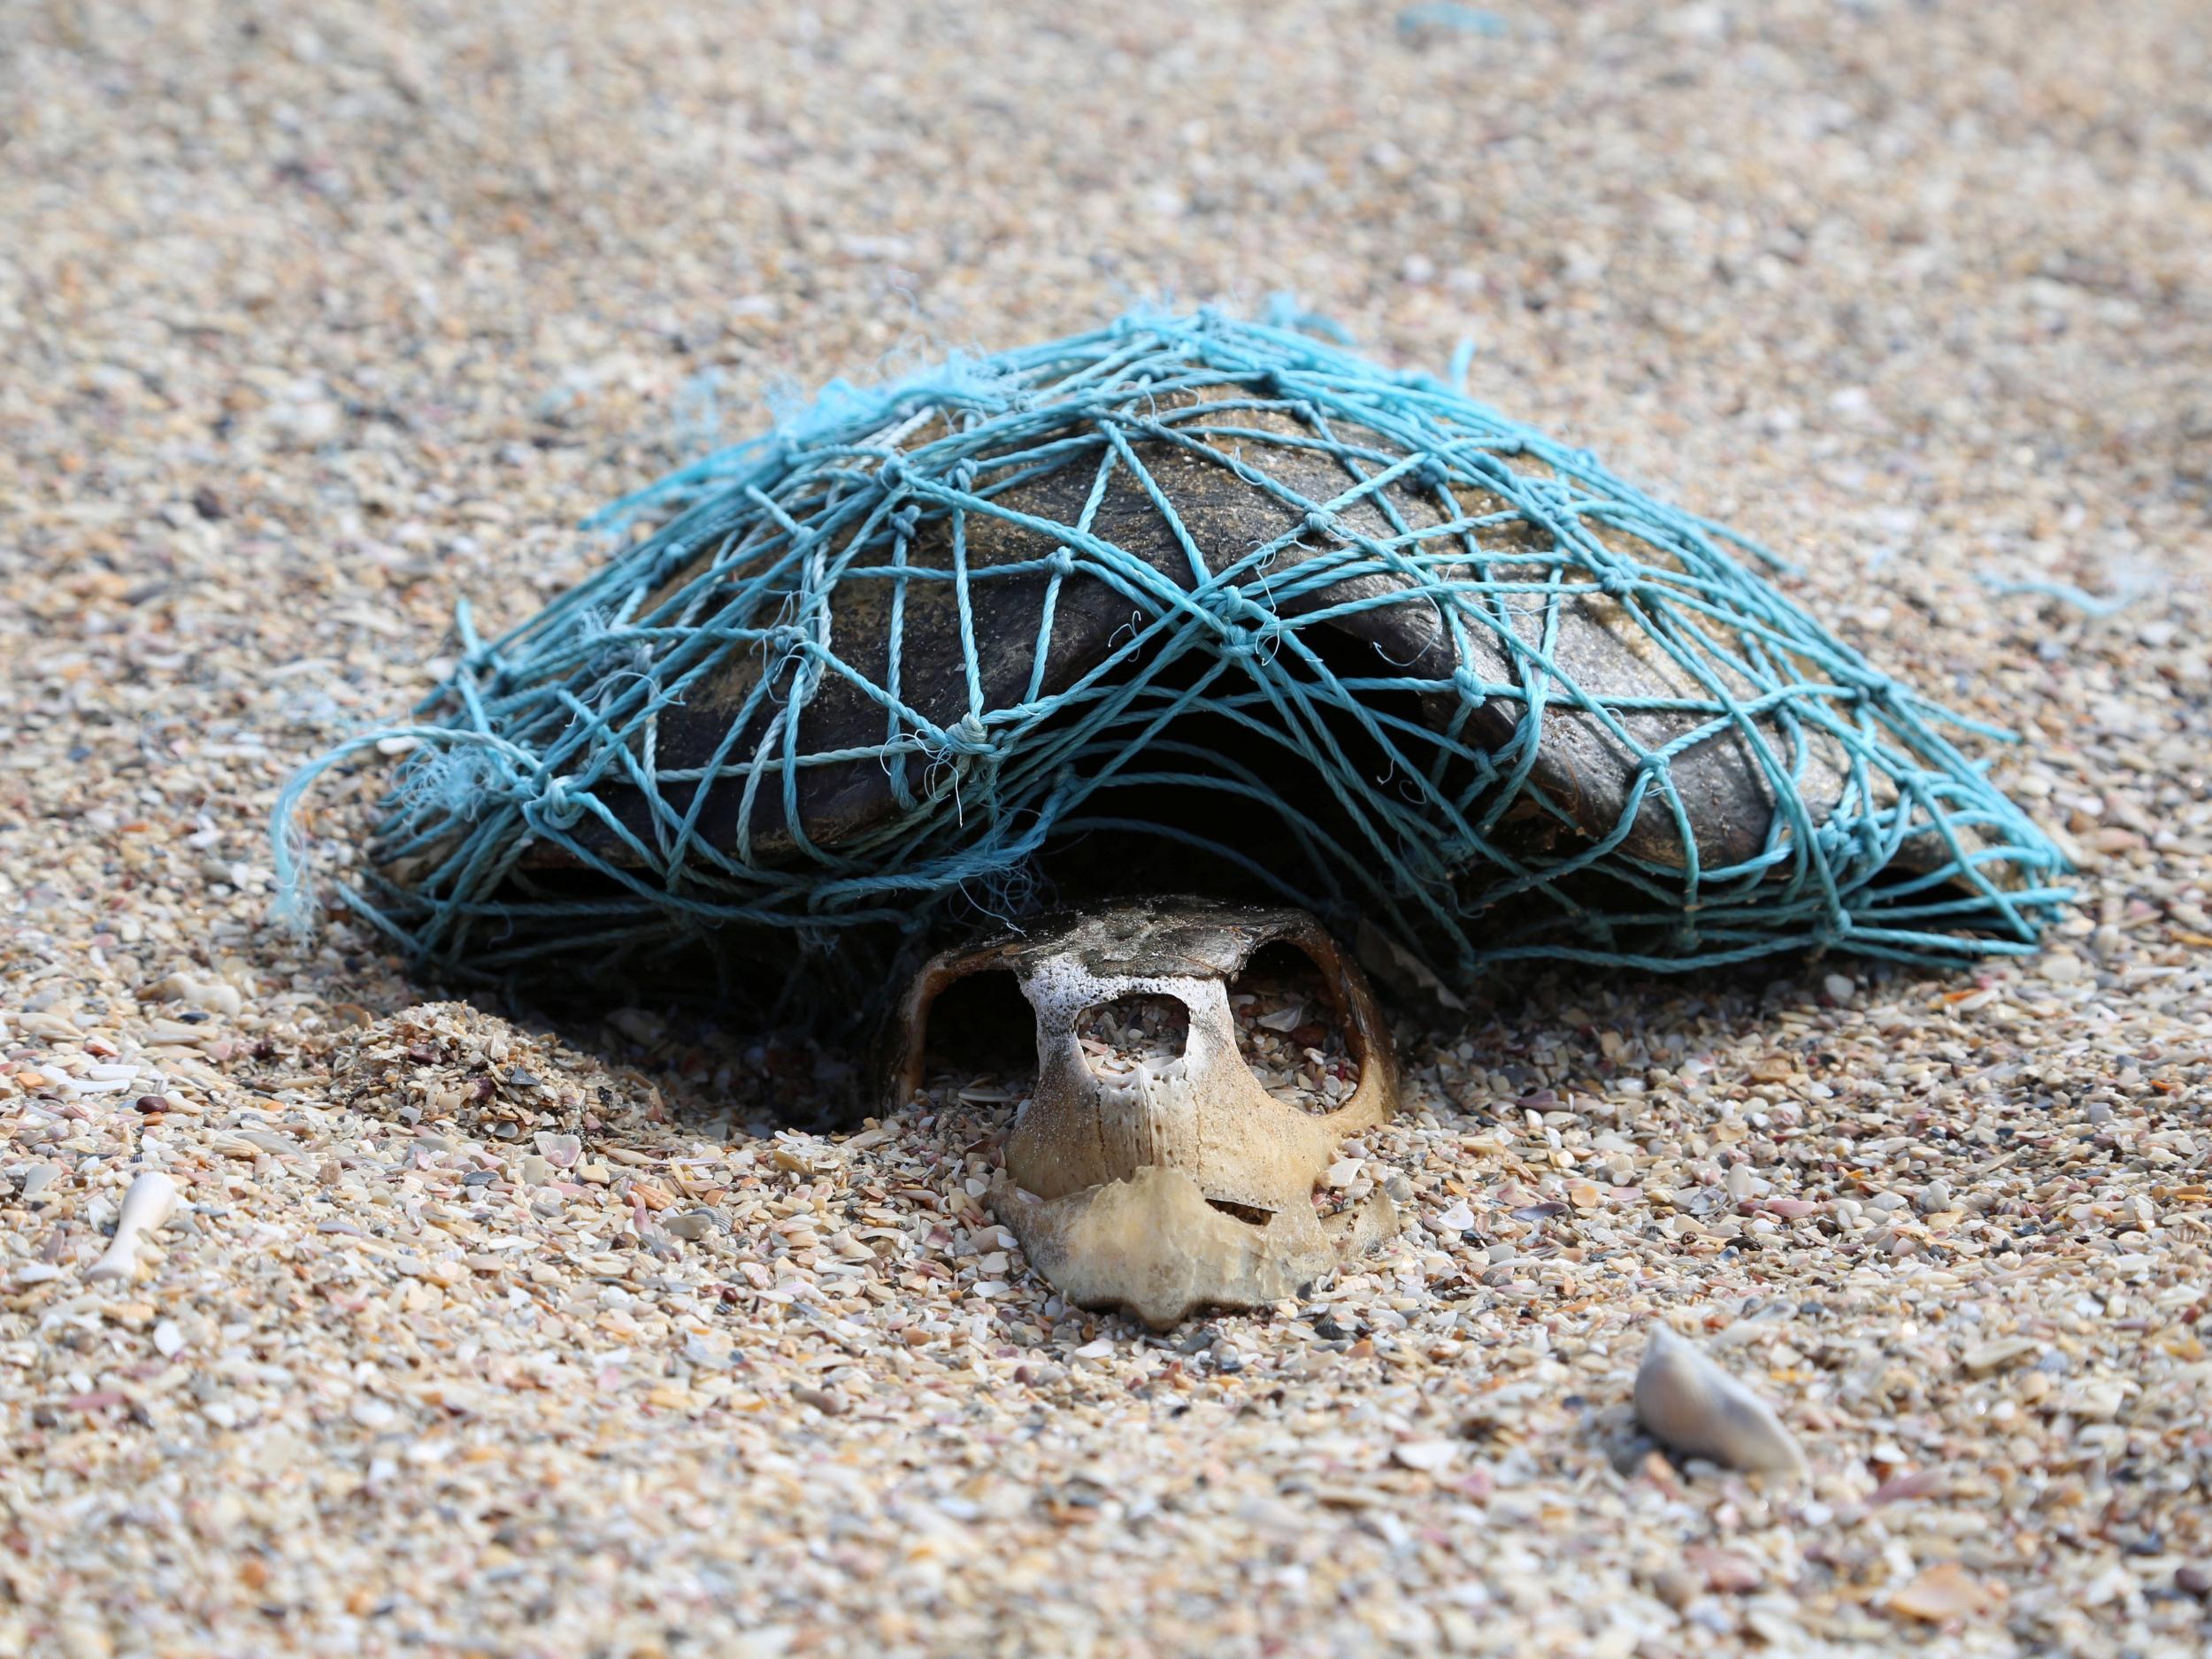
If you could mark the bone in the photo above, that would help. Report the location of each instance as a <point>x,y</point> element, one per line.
<point>146,1204</point>
<point>1152,1166</point>
<point>1691,1406</point>
<point>1153,1247</point>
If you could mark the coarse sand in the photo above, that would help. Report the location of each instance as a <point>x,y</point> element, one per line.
<point>464,1336</point>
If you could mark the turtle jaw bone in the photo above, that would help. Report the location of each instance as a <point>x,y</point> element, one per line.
<point>1154,1247</point>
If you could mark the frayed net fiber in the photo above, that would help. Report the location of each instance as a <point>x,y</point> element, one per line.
<point>1184,602</point>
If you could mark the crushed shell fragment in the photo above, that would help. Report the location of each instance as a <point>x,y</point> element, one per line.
<point>1691,1406</point>
<point>145,1205</point>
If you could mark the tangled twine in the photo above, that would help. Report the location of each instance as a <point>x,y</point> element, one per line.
<point>539,737</point>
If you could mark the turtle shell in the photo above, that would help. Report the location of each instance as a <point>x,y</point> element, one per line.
<point>1190,507</point>
<point>1195,603</point>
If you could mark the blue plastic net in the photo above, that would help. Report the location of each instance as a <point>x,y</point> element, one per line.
<point>1373,648</point>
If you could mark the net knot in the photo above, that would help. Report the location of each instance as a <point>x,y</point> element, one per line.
<point>1549,495</point>
<point>968,735</point>
<point>557,806</point>
<point>1323,522</point>
<point>1062,563</point>
<point>1243,644</point>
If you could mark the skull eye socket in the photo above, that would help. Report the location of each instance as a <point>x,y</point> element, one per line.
<point>1140,1029</point>
<point>980,1027</point>
<point>1286,1013</point>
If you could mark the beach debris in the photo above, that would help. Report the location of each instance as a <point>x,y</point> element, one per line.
<point>419,223</point>
<point>1153,1167</point>
<point>1943,1592</point>
<point>771,755</point>
<point>1417,25</point>
<point>1690,1405</point>
<point>145,1204</point>
<point>35,1178</point>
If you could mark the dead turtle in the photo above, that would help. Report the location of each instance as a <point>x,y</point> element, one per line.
<point>1189,603</point>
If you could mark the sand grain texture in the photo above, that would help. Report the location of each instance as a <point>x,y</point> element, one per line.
<point>462,1337</point>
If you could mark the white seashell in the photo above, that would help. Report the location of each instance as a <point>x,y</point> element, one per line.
<point>1431,1457</point>
<point>1458,1218</point>
<point>36,1177</point>
<point>1691,1405</point>
<point>145,1205</point>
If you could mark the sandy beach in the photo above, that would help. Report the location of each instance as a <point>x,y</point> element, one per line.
<point>467,1336</point>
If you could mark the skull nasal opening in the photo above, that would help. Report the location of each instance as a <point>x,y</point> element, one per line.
<point>1140,1029</point>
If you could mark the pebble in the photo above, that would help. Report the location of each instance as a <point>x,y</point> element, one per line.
<point>1726,1571</point>
<point>1677,1587</point>
<point>1691,1406</point>
<point>1429,1456</point>
<point>218,995</point>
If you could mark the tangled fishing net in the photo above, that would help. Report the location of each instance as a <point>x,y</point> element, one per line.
<point>1183,602</point>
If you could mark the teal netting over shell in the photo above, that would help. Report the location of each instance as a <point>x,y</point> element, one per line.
<point>1333,632</point>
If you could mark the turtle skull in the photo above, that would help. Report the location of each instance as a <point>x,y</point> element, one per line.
<point>1178,1181</point>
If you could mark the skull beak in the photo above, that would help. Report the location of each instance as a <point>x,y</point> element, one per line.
<point>1155,1248</point>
